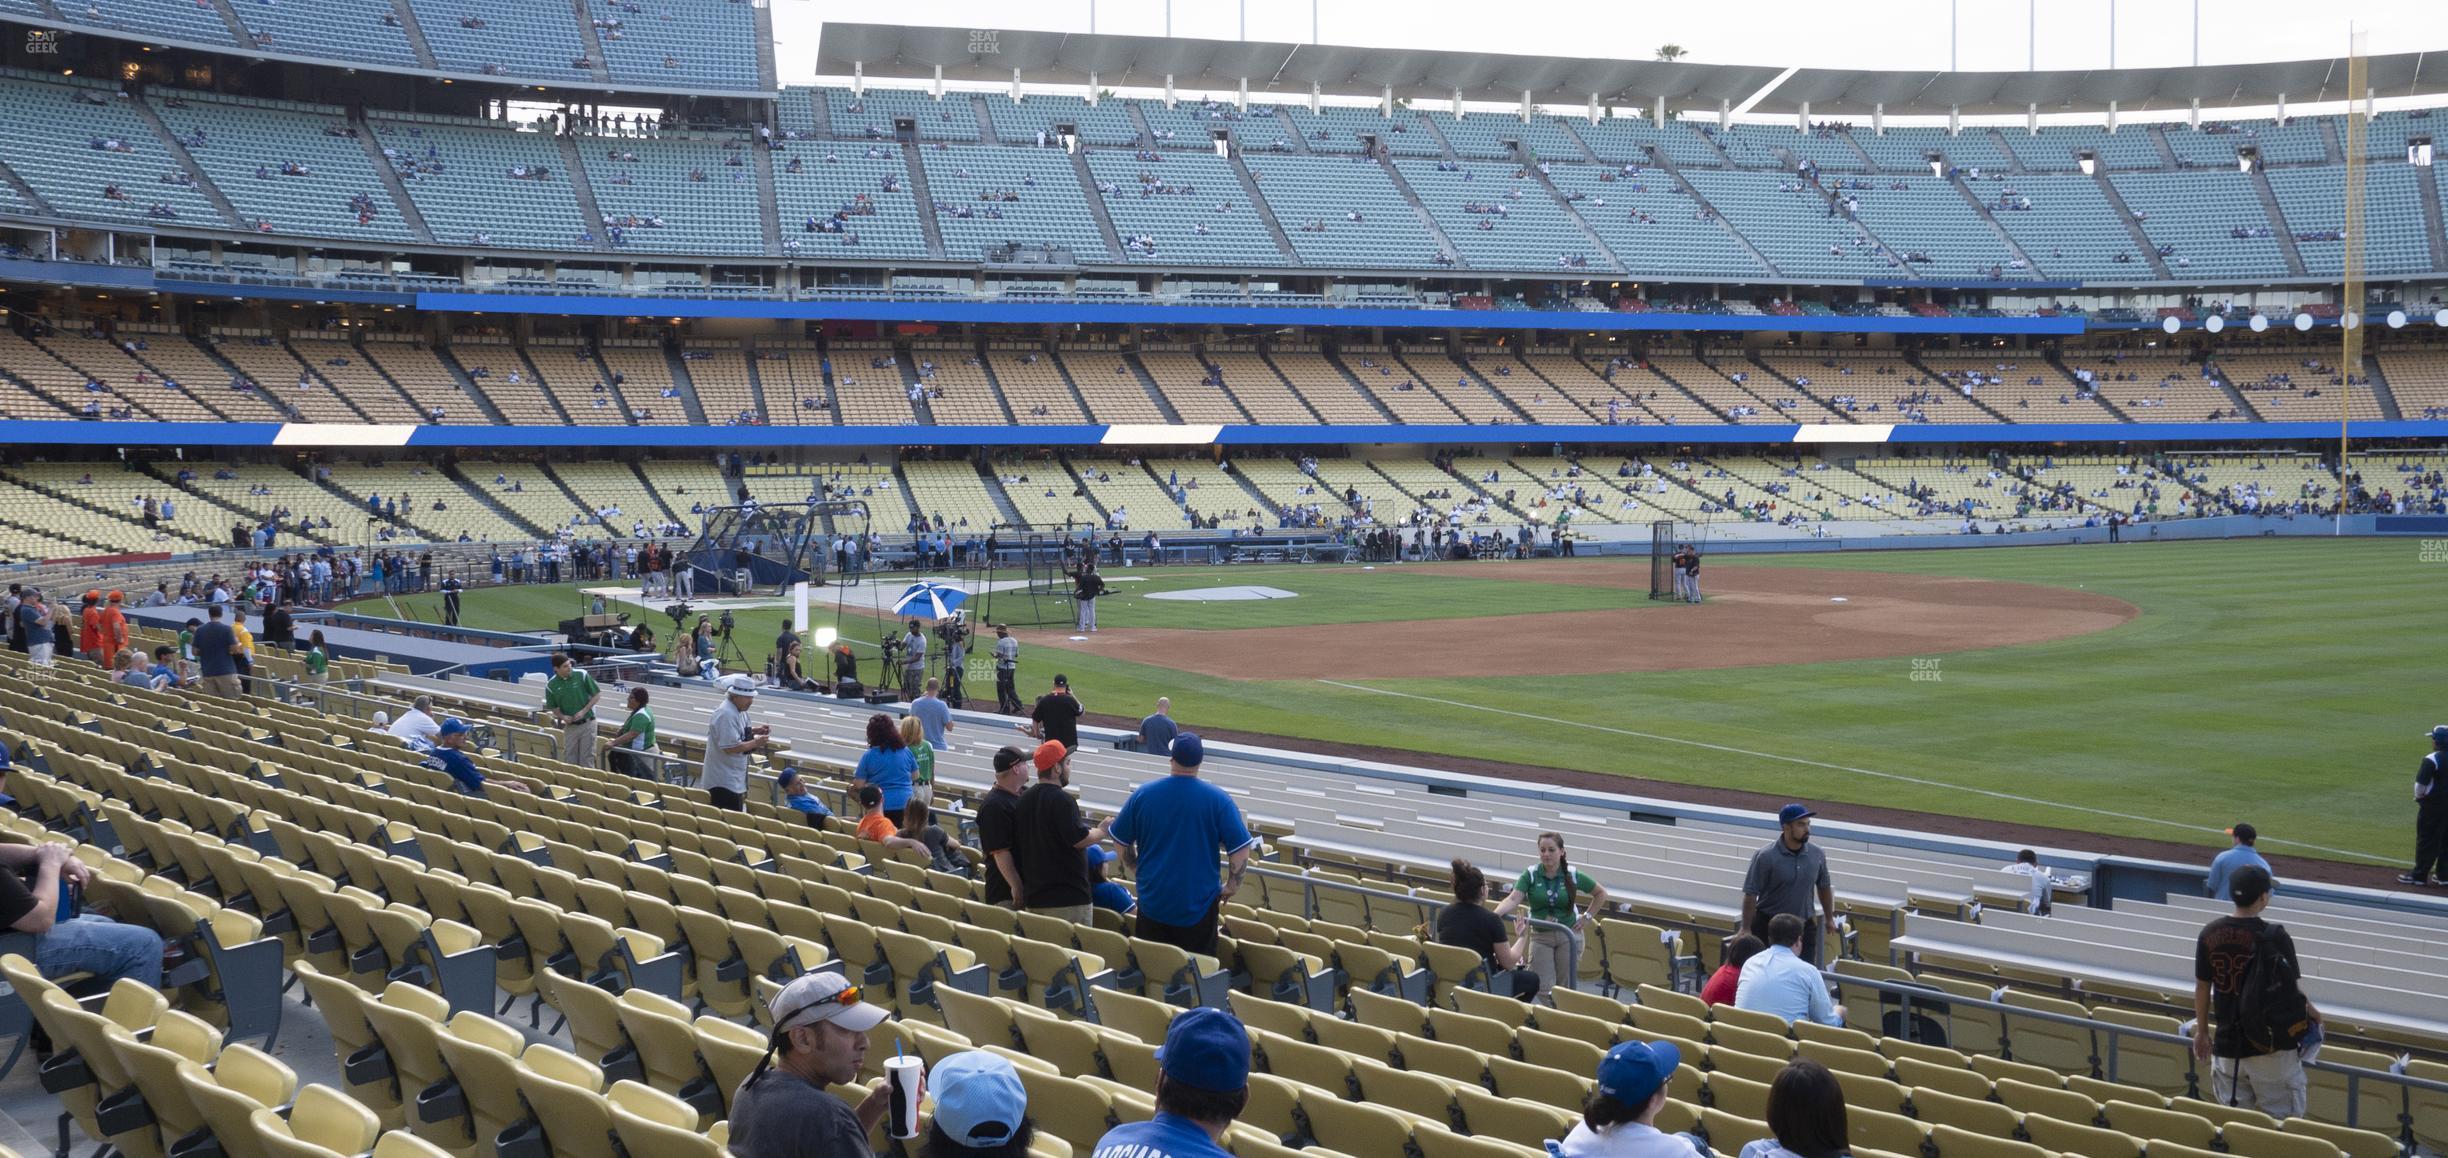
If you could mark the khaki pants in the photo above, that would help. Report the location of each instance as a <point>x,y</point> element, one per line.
<point>578,743</point>
<point>2272,1083</point>
<point>1076,914</point>
<point>1555,956</point>
<point>225,686</point>
<point>924,794</point>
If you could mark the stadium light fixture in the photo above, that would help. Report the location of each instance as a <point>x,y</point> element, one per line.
<point>2214,323</point>
<point>2303,322</point>
<point>2440,318</point>
<point>826,637</point>
<point>2397,319</point>
<point>2259,323</point>
<point>2170,324</point>
<point>2351,320</point>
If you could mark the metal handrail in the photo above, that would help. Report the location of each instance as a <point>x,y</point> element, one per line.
<point>1907,994</point>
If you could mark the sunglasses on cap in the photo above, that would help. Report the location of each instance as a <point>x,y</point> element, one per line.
<point>846,998</point>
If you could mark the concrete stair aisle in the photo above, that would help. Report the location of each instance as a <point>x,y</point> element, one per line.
<point>1429,220</point>
<point>688,389</point>
<point>1477,402</point>
<point>2058,363</point>
<point>924,199</point>
<point>416,34</point>
<point>2142,242</point>
<point>584,187</point>
<point>1002,400</point>
<point>1077,395</point>
<point>450,470</point>
<point>1981,208</point>
<point>662,504</point>
<point>212,394</point>
<point>1139,121</point>
<point>2234,396</point>
<point>1005,513</point>
<point>190,493</point>
<point>1088,190</point>
<point>2014,160</point>
<point>530,391</point>
<point>1597,243</point>
<point>1147,382</point>
<point>1687,392</point>
<point>587,39</point>
<point>1266,212</point>
<point>237,27</point>
<point>186,161</point>
<point>1423,405</point>
<point>769,213</point>
<point>2159,141</point>
<point>2433,227</point>
<point>398,189</point>
<point>25,192</point>
<point>1846,135</point>
<point>1588,155</point>
<point>1662,161</point>
<point>1072,473</point>
<point>756,388</point>
<point>1459,481</point>
<point>1291,131</point>
<point>2278,222</point>
<point>1830,198</point>
<point>1937,383</point>
<point>2380,389</point>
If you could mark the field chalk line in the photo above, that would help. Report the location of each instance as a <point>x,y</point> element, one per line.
<point>1897,776</point>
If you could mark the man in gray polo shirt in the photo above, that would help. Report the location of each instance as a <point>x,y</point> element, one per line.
<point>1783,878</point>
<point>729,739</point>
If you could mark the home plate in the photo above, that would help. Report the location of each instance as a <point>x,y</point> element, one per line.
<point>1838,599</point>
<point>1223,594</point>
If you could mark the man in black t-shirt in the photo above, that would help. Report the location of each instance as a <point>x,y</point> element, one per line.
<point>2268,1077</point>
<point>1467,924</point>
<point>31,892</point>
<point>996,821</point>
<point>1056,716</point>
<point>1052,840</point>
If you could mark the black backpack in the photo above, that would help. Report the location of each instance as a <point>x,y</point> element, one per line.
<point>2271,1013</point>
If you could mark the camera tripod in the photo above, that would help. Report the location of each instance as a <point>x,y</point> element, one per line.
<point>729,651</point>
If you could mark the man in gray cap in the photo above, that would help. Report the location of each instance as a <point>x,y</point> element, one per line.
<point>784,1108</point>
<point>2430,814</point>
<point>729,739</point>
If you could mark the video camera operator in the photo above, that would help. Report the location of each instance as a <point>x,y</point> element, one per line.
<point>913,660</point>
<point>955,637</point>
<point>1007,671</point>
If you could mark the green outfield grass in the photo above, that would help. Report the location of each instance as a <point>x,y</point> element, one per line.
<point>2282,681</point>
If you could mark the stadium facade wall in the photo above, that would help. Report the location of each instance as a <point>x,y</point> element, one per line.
<point>69,432</point>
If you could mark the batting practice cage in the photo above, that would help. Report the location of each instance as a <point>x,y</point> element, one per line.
<point>770,545</point>
<point>1044,596</point>
<point>1661,559</point>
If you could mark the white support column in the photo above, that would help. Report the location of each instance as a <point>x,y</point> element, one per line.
<point>1092,90</point>
<point>1878,119</point>
<point>1725,114</point>
<point>2282,108</point>
<point>1316,98</point>
<point>1457,104</point>
<point>1015,86</point>
<point>1525,109</point>
<point>1385,103</point>
<point>858,78</point>
<point>2112,112</point>
<point>1241,96</point>
<point>2031,119</point>
<point>1802,119</point>
<point>2195,119</point>
<point>1593,108</point>
<point>1954,120</point>
<point>938,86</point>
<point>1168,90</point>
<point>1657,110</point>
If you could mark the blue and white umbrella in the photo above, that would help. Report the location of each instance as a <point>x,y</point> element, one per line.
<point>930,600</point>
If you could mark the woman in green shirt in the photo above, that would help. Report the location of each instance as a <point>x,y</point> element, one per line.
<point>922,781</point>
<point>637,735</point>
<point>318,667</point>
<point>1553,891</point>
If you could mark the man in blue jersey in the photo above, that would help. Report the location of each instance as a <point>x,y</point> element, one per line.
<point>1171,831</point>
<point>1201,1087</point>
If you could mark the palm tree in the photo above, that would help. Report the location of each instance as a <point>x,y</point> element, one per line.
<point>1670,52</point>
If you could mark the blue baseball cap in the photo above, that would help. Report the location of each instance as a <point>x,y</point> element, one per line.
<point>1633,1070</point>
<point>454,726</point>
<point>1189,750</point>
<point>2439,735</point>
<point>1099,854</point>
<point>1793,812</point>
<point>979,1100</point>
<point>1206,1049</point>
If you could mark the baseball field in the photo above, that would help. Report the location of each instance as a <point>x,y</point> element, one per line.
<point>2151,692</point>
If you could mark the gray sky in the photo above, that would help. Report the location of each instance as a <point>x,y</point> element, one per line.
<point>1878,34</point>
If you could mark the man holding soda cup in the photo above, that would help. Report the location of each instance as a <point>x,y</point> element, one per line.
<point>784,1109</point>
